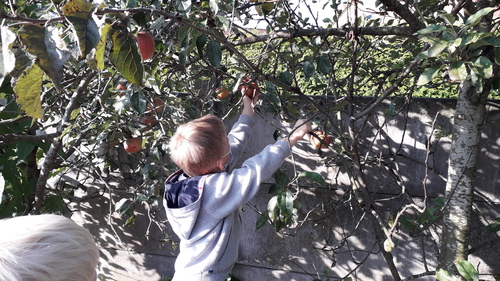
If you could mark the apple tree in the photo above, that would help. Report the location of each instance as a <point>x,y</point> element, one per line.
<point>75,87</point>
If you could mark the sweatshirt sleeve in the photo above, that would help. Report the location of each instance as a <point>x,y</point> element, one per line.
<point>238,137</point>
<point>224,193</point>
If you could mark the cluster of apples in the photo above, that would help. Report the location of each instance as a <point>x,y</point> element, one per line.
<point>248,86</point>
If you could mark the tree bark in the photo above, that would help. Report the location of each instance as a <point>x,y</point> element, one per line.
<point>469,116</point>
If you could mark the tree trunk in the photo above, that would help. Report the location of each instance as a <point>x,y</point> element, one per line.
<point>469,116</point>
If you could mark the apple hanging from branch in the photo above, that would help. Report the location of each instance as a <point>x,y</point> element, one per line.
<point>320,140</point>
<point>146,44</point>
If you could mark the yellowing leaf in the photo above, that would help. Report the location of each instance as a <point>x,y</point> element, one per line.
<point>80,14</point>
<point>126,58</point>
<point>28,88</point>
<point>101,46</point>
<point>49,49</point>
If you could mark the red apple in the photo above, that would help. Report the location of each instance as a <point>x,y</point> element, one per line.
<point>317,143</point>
<point>133,145</point>
<point>146,44</point>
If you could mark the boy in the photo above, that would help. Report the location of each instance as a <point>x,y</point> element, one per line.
<point>46,248</point>
<point>202,199</point>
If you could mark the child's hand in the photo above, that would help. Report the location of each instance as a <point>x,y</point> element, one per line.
<point>302,127</point>
<point>249,104</point>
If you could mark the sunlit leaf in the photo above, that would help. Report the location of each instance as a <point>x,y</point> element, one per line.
<point>214,6</point>
<point>443,275</point>
<point>476,18</point>
<point>7,58</point>
<point>428,75</point>
<point>123,205</point>
<point>182,6</point>
<point>101,47</point>
<point>28,88</point>
<point>437,48</point>
<point>315,177</point>
<point>467,270</point>
<point>431,28</point>
<point>125,57</point>
<point>449,18</point>
<point>457,72</point>
<point>272,208</point>
<point>484,67</point>
<point>285,202</point>
<point>214,53</point>
<point>80,14</point>
<point>49,49</point>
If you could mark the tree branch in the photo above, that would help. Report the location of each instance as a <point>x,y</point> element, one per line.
<point>56,145</point>
<point>405,13</point>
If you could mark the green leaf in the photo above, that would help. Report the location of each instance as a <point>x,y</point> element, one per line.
<point>201,41</point>
<point>457,71</point>
<point>443,275</point>
<point>431,28</point>
<point>123,206</point>
<point>182,6</point>
<point>497,55</point>
<point>23,150</point>
<point>49,49</point>
<point>275,189</point>
<point>125,57</point>
<point>7,57</point>
<point>476,18</point>
<point>28,88</point>
<point>428,75</point>
<point>262,220</point>
<point>493,40</point>
<point>286,77</point>
<point>285,202</point>
<point>468,271</point>
<point>130,221</point>
<point>315,177</point>
<point>437,48</point>
<point>494,227</point>
<point>214,53</point>
<point>2,186</point>
<point>79,13</point>
<point>101,46</point>
<point>449,18</point>
<point>281,178</point>
<point>214,6</point>
<point>484,67</point>
<point>272,208</point>
<point>138,102</point>
<point>324,64</point>
<point>309,69</point>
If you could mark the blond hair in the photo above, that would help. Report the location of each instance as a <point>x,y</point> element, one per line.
<point>46,248</point>
<point>197,145</point>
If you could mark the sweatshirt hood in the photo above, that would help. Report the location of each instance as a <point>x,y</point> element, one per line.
<point>182,200</point>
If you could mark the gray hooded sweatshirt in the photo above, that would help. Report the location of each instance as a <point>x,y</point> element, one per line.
<point>204,210</point>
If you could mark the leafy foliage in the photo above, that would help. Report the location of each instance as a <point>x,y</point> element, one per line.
<point>62,63</point>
